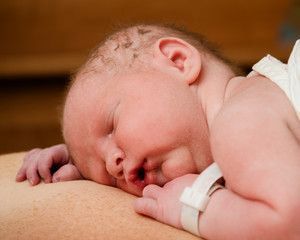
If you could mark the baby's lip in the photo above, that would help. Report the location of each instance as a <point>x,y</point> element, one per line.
<point>141,177</point>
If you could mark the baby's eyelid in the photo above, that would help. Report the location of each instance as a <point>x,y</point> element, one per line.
<point>113,121</point>
<point>112,128</point>
<point>112,124</point>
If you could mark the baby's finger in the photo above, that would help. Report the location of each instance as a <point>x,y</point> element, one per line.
<point>50,157</point>
<point>152,191</point>
<point>146,206</point>
<point>44,171</point>
<point>45,163</point>
<point>32,175</point>
<point>31,153</point>
<point>29,156</point>
<point>67,172</point>
<point>58,154</point>
<point>21,175</point>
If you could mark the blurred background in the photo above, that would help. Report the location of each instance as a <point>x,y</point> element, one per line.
<point>43,41</point>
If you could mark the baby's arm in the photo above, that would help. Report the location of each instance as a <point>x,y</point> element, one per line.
<point>50,164</point>
<point>256,142</point>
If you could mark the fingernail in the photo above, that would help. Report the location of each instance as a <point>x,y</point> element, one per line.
<point>47,180</point>
<point>56,178</point>
<point>31,181</point>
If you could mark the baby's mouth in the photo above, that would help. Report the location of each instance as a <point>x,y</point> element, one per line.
<point>138,178</point>
<point>141,177</point>
<point>141,174</point>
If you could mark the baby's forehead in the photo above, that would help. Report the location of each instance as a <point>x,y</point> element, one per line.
<point>80,108</point>
<point>97,89</point>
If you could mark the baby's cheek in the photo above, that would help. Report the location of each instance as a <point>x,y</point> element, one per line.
<point>180,162</point>
<point>173,169</point>
<point>98,173</point>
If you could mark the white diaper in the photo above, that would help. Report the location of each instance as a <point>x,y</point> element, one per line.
<point>286,76</point>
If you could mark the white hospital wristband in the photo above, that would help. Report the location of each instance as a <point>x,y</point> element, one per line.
<point>196,197</point>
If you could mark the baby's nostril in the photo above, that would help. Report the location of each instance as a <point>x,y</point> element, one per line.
<point>141,173</point>
<point>119,160</point>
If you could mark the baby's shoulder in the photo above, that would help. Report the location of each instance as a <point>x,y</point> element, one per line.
<point>257,91</point>
<point>238,86</point>
<point>253,98</point>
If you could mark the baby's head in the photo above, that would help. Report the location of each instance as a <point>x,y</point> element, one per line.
<point>133,115</point>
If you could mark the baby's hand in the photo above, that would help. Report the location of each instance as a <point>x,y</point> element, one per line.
<point>162,203</point>
<point>42,163</point>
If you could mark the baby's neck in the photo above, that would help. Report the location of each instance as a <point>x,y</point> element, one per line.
<point>212,84</point>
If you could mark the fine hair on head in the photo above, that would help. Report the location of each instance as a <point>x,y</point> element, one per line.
<point>127,47</point>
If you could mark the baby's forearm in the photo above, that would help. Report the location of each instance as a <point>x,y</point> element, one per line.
<point>229,216</point>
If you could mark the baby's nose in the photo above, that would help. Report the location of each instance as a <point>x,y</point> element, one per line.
<point>114,166</point>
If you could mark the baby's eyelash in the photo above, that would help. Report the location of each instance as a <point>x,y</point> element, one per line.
<point>112,126</point>
<point>110,123</point>
<point>112,120</point>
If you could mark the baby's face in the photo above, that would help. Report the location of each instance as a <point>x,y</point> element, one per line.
<point>135,130</point>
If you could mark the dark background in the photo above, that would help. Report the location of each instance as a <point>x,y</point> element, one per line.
<point>43,41</point>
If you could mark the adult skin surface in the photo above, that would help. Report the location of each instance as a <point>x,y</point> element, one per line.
<point>71,210</point>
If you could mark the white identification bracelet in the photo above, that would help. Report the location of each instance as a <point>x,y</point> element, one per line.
<point>196,197</point>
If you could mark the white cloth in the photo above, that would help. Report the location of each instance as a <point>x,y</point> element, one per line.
<point>286,76</point>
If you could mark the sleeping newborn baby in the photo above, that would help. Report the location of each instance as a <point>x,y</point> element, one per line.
<point>153,107</point>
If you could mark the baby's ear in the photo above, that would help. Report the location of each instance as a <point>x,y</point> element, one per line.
<point>176,56</point>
